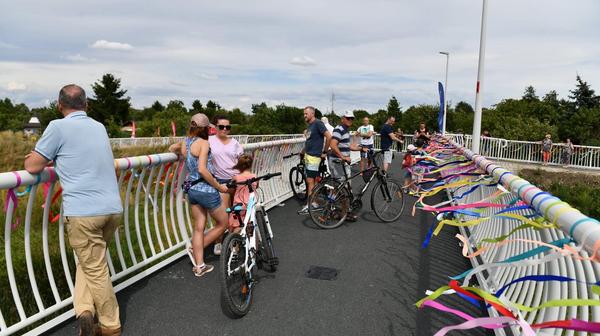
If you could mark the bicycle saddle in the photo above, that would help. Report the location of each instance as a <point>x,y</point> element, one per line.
<point>236,208</point>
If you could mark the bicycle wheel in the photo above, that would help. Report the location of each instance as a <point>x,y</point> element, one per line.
<point>387,200</point>
<point>298,183</point>
<point>267,252</point>
<point>329,204</point>
<point>236,281</point>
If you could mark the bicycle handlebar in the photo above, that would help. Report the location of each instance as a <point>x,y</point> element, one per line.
<point>289,156</point>
<point>248,182</point>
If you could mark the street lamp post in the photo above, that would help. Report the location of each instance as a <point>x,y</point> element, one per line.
<point>478,103</point>
<point>445,92</point>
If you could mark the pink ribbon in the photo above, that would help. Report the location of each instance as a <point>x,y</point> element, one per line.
<point>12,196</point>
<point>493,322</point>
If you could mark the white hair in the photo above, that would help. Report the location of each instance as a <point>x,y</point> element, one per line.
<point>325,120</point>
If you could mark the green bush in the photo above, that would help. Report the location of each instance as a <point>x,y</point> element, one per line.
<point>577,189</point>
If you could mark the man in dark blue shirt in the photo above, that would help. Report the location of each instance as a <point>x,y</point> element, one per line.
<point>315,148</point>
<point>387,136</point>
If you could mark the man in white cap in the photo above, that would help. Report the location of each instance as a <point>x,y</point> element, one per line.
<point>339,156</point>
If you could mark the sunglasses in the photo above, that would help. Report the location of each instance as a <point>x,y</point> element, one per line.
<point>222,127</point>
<point>349,118</point>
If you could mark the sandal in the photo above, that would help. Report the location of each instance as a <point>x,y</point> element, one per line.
<point>201,270</point>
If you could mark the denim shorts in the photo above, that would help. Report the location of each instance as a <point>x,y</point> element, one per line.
<point>208,200</point>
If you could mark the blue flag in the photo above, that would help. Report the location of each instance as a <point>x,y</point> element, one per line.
<point>441,114</point>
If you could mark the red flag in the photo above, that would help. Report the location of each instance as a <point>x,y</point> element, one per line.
<point>173,128</point>
<point>133,129</point>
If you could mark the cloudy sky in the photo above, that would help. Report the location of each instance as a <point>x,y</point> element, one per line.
<point>297,52</point>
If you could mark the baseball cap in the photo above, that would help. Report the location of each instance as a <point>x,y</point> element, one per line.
<point>348,114</point>
<point>411,147</point>
<point>201,120</point>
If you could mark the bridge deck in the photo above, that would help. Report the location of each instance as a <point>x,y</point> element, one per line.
<point>382,273</point>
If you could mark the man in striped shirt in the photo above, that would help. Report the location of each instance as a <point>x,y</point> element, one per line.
<point>341,146</point>
<point>340,150</point>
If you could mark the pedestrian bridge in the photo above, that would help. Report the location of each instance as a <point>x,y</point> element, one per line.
<point>382,268</point>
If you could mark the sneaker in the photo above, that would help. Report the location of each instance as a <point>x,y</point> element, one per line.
<point>217,249</point>
<point>303,211</point>
<point>86,324</point>
<point>201,270</point>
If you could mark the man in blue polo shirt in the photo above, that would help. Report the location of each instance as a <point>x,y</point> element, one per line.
<point>92,207</point>
<point>315,148</point>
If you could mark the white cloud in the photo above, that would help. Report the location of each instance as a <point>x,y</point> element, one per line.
<point>303,61</point>
<point>104,44</point>
<point>78,58</point>
<point>208,76</point>
<point>16,86</point>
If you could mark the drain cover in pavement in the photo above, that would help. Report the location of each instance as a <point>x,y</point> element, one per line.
<point>322,273</point>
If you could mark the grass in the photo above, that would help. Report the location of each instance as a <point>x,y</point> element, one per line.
<point>580,190</point>
<point>14,147</point>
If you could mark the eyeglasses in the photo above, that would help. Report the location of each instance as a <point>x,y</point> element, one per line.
<point>222,127</point>
<point>349,118</point>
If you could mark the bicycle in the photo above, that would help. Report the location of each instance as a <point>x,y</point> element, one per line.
<point>245,251</point>
<point>335,199</point>
<point>298,176</point>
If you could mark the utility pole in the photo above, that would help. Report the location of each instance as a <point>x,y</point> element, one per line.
<point>332,101</point>
<point>478,103</point>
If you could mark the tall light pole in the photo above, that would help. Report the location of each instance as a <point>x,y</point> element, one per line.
<point>477,119</point>
<point>445,92</point>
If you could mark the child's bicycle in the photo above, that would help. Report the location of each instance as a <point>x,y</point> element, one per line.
<point>245,251</point>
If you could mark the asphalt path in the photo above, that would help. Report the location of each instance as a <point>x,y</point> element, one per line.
<point>382,272</point>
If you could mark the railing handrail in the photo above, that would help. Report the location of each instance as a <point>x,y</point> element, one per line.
<point>572,222</point>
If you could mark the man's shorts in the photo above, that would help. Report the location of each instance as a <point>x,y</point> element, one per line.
<point>364,155</point>
<point>311,164</point>
<point>337,167</point>
<point>387,156</point>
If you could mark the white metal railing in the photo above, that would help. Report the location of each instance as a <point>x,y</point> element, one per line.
<point>163,141</point>
<point>38,276</point>
<point>583,157</point>
<point>570,222</point>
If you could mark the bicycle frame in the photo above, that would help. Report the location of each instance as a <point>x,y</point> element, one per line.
<point>346,182</point>
<point>251,243</point>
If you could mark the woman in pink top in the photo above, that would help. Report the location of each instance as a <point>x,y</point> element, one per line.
<point>225,153</point>
<point>242,193</point>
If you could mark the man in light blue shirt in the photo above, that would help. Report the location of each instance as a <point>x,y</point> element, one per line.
<point>92,207</point>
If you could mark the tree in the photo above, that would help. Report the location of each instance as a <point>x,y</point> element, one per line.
<point>460,118</point>
<point>13,117</point>
<point>47,114</point>
<point>157,106</point>
<point>529,94</point>
<point>197,107</point>
<point>211,109</point>
<point>583,95</point>
<point>394,109</point>
<point>109,103</point>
